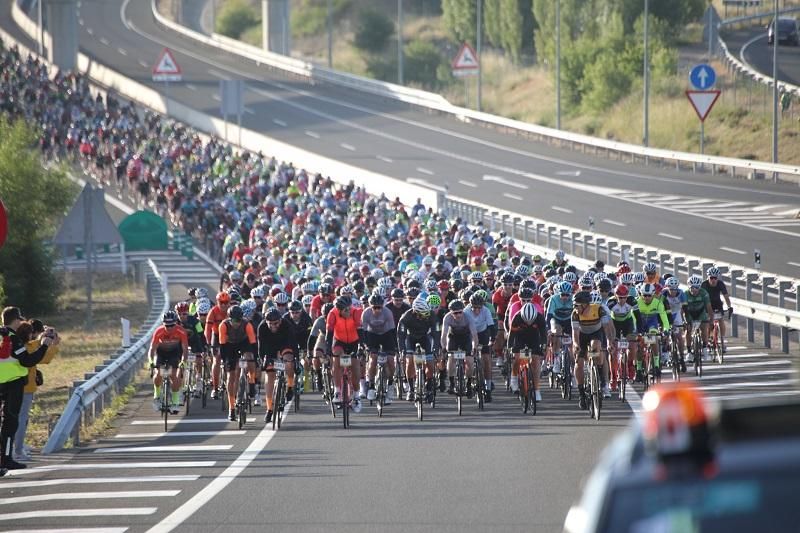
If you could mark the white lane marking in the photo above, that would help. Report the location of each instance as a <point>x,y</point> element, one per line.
<point>736,348</point>
<point>759,394</point>
<point>505,181</point>
<point>792,211</point>
<point>249,111</point>
<point>385,159</point>
<point>744,355</point>
<point>122,51</point>
<point>223,433</point>
<point>104,41</point>
<point>56,513</point>
<point>312,134</point>
<point>349,147</point>
<point>110,495</point>
<point>766,207</point>
<point>72,530</point>
<point>217,74</point>
<point>562,209</point>
<point>732,250</point>
<point>167,448</point>
<point>143,63</point>
<point>752,384</point>
<point>513,196</point>
<point>781,224</point>
<point>196,502</point>
<point>614,222</point>
<point>671,236</point>
<point>216,97</point>
<point>425,183</point>
<point>191,86</point>
<point>793,264</point>
<point>475,185</point>
<point>107,466</point>
<point>726,366</point>
<point>98,481</point>
<point>747,375</point>
<point>90,31</point>
<point>279,122</point>
<point>181,421</point>
<point>425,171</point>
<point>80,22</point>
<point>575,173</point>
<point>695,202</point>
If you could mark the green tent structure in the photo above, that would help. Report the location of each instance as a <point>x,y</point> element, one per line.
<point>144,230</point>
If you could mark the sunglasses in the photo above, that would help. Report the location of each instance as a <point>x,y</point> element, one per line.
<point>458,312</point>
<point>274,324</point>
<point>711,278</point>
<point>377,307</point>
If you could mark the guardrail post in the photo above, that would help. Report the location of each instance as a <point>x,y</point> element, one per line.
<point>636,251</point>
<point>491,220</point>
<point>526,230</point>
<point>676,261</point>
<point>624,252</point>
<point>706,266</point>
<point>597,242</point>
<point>766,326</point>
<point>503,219</point>
<point>651,256</point>
<point>662,260</point>
<point>783,286</point>
<point>735,274</point>
<point>574,238</point>
<point>550,230</point>
<point>690,266</point>
<point>539,226</point>
<point>561,233</point>
<point>748,295</point>
<point>514,223</point>
<point>587,241</point>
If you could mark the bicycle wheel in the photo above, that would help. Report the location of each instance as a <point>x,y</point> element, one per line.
<point>165,397</point>
<point>276,403</point>
<point>459,385</point>
<point>522,393</point>
<point>345,402</point>
<point>379,393</point>
<point>480,384</point>
<point>188,387</point>
<point>597,399</point>
<point>296,398</point>
<point>204,385</point>
<point>531,399</point>
<point>623,374</point>
<point>278,414</point>
<point>420,392</point>
<point>223,390</point>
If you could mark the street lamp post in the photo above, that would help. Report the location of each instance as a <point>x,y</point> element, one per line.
<point>478,40</point>
<point>558,64</point>
<point>329,24</point>
<point>646,76</point>
<point>400,42</point>
<point>775,90</point>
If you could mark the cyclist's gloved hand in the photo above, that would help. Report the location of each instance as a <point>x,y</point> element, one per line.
<point>730,312</point>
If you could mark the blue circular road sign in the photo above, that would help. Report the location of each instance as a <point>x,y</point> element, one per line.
<point>702,77</point>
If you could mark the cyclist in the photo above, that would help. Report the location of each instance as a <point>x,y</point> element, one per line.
<point>484,325</point>
<point>698,309</point>
<point>652,310</point>
<point>316,344</point>
<point>379,335</point>
<point>676,300</point>
<point>301,325</point>
<point>528,330</point>
<point>276,340</point>
<point>589,321</point>
<point>418,326</point>
<point>197,340</point>
<point>559,316</point>
<point>459,333</point>
<point>624,315</point>
<point>651,276</point>
<point>716,290</point>
<point>501,299</point>
<point>170,347</point>
<point>325,295</point>
<point>237,338</point>
<point>343,332</point>
<point>217,314</point>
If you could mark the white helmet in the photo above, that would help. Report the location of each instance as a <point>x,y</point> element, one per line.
<point>421,306</point>
<point>528,313</point>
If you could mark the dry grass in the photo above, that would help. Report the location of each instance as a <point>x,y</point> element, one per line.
<point>114,296</point>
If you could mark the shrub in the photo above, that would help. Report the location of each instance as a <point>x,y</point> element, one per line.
<point>235,17</point>
<point>422,62</point>
<point>373,31</point>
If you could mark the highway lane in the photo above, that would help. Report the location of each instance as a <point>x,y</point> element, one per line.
<point>751,47</point>
<point>391,138</point>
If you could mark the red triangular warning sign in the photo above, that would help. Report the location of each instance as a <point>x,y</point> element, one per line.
<point>166,65</point>
<point>702,102</point>
<point>466,59</point>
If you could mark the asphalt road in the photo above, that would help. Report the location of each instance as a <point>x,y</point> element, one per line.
<point>751,47</point>
<point>691,213</point>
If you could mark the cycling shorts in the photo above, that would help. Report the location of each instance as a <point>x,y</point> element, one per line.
<point>521,340</point>
<point>584,339</point>
<point>347,347</point>
<point>381,342</point>
<point>172,358</point>
<point>230,355</point>
<point>565,326</point>
<point>625,328</point>
<point>484,340</point>
<point>287,355</point>
<point>702,316</point>
<point>425,342</point>
<point>459,341</point>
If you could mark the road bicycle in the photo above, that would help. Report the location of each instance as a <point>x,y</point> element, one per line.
<point>479,380</point>
<point>716,342</point>
<point>381,383</point>
<point>189,383</point>
<point>460,380</point>
<point>652,353</point>
<point>678,364</point>
<point>222,389</point>
<point>299,373</point>
<point>400,375</point>
<point>345,363</point>
<point>327,385</point>
<point>165,393</point>
<point>622,367</point>
<point>592,377</point>
<point>508,362</point>
<point>205,381</point>
<point>527,395</point>
<point>697,348</point>
<point>419,383</point>
<point>565,378</point>
<point>278,393</point>
<point>242,398</point>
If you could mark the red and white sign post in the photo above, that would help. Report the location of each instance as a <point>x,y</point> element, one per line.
<point>466,64</point>
<point>166,69</point>
<point>702,102</point>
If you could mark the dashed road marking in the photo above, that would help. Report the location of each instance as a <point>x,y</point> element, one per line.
<point>475,185</point>
<point>614,223</point>
<point>385,159</point>
<point>122,51</point>
<point>732,250</point>
<point>279,122</point>
<point>513,196</point>
<point>671,236</point>
<point>425,171</point>
<point>349,147</point>
<point>561,209</point>
<point>312,134</point>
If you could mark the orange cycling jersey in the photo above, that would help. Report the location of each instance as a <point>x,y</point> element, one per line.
<point>170,339</point>
<point>214,319</point>
<point>230,335</point>
<point>345,329</point>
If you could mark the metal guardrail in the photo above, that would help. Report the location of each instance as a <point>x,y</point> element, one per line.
<point>434,102</point>
<point>541,237</point>
<point>90,398</point>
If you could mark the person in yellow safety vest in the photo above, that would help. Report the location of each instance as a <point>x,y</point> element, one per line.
<point>15,360</point>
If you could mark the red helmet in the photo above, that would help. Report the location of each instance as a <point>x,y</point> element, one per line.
<point>223,298</point>
<point>443,285</point>
<point>623,269</point>
<point>621,291</point>
<point>181,308</point>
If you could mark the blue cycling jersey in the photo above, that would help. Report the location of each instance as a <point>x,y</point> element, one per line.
<point>559,309</point>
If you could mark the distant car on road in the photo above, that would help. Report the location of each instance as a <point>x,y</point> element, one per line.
<point>788,31</point>
<point>688,466</point>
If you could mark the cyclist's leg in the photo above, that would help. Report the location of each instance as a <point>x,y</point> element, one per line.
<point>269,359</point>
<point>231,362</point>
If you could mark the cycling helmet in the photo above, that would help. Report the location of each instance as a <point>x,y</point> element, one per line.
<point>296,305</point>
<point>565,287</point>
<point>527,284</point>
<point>235,312</point>
<point>586,281</point>
<point>434,301</point>
<point>523,271</point>
<point>595,298</point>
<point>572,277</point>
<point>380,291</point>
<point>457,285</point>
<point>673,283</point>
<point>648,289</point>
<point>623,268</point>
<point>528,313</point>
<point>386,282</point>
<point>343,302</point>
<point>307,299</point>
<point>420,306</point>
<point>582,297</point>
<point>476,300</point>
<point>489,274</point>
<point>476,242</point>
<point>443,285</point>
<point>398,293</point>
<point>456,305</point>
<point>650,268</point>
<point>694,281</point>
<point>604,285</point>
<point>170,318</point>
<point>248,308</point>
<point>517,279</point>
<point>201,292</point>
<point>236,276</point>
<point>413,292</point>
<point>376,300</point>
<point>182,307</point>
<point>358,286</point>
<point>431,285</point>
<point>204,307</point>
<point>712,272</point>
<point>273,315</point>
<point>476,276</point>
<point>598,277</point>
<point>560,255</point>
<point>627,278</point>
<point>571,268</point>
<point>537,269</point>
<point>638,277</point>
<point>281,299</point>
<point>326,289</point>
<point>621,291</point>
<point>525,294</point>
<point>483,294</point>
<point>223,298</point>
<point>507,278</point>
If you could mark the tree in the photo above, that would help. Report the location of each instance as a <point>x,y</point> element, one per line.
<point>373,31</point>
<point>422,63</point>
<point>36,200</point>
<point>235,18</point>
<point>509,25</point>
<point>459,18</point>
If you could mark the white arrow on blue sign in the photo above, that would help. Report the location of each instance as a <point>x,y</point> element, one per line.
<point>702,77</point>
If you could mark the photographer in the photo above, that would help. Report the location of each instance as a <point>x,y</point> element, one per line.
<point>15,360</point>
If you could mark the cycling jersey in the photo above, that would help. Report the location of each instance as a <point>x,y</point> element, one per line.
<point>482,319</point>
<point>524,335</point>
<point>172,339</point>
<point>300,329</point>
<point>195,333</point>
<point>622,310</point>
<point>697,305</point>
<point>379,322</point>
<point>501,301</point>
<point>316,335</point>
<point>397,312</point>
<point>676,305</point>
<point>651,314</point>
<point>271,343</point>
<point>591,320</point>
<point>233,339</point>
<point>462,325</point>
<point>559,309</point>
<point>413,328</point>
<point>715,293</point>
<point>215,317</point>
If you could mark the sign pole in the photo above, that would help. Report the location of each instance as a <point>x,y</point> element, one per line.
<point>478,39</point>
<point>775,91</point>
<point>702,136</point>
<point>87,254</point>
